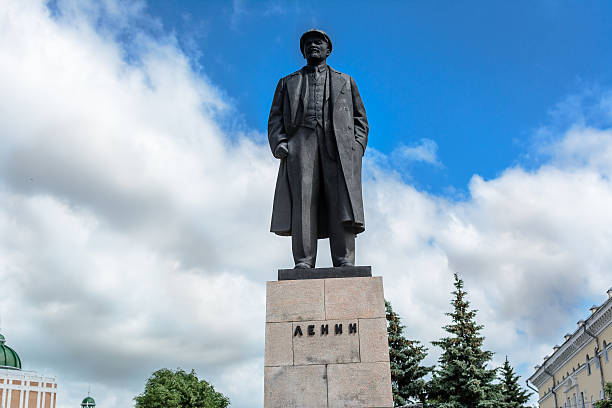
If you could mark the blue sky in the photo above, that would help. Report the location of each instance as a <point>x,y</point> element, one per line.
<point>478,78</point>
<point>134,161</point>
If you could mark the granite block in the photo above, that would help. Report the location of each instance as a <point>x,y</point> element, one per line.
<point>359,385</point>
<point>373,342</point>
<point>279,348</point>
<point>352,298</point>
<point>295,387</point>
<point>295,300</point>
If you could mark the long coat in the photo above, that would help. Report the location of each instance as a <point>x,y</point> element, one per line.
<point>350,129</point>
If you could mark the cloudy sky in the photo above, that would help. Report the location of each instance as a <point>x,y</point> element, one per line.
<point>136,182</point>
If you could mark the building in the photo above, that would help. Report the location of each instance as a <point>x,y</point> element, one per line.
<point>576,372</point>
<point>20,388</point>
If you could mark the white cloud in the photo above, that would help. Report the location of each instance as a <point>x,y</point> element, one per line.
<point>128,217</point>
<point>133,230</point>
<point>426,151</point>
<point>585,147</point>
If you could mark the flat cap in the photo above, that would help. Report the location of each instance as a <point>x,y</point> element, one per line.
<point>314,31</point>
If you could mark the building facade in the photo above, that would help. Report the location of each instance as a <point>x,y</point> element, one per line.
<point>20,388</point>
<point>575,374</point>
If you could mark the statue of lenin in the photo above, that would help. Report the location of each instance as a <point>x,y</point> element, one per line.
<point>319,130</point>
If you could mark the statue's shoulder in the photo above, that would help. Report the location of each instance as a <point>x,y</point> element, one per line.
<point>298,72</point>
<point>342,74</point>
<point>335,71</point>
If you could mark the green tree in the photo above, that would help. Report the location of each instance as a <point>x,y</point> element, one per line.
<point>607,403</point>
<point>513,395</point>
<point>406,357</point>
<point>179,389</point>
<point>462,379</point>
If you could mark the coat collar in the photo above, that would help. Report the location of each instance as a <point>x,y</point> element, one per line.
<point>321,67</point>
<point>294,87</point>
<point>337,79</point>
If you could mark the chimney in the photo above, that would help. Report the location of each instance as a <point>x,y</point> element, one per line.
<point>580,323</point>
<point>609,293</point>
<point>593,309</point>
<point>556,348</point>
<point>567,336</point>
<point>537,367</point>
<point>546,358</point>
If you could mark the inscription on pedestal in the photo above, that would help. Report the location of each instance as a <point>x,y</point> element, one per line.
<point>325,342</point>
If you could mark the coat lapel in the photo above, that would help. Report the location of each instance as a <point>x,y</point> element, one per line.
<point>337,84</point>
<point>294,91</point>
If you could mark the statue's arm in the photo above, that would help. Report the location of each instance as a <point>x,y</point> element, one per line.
<point>360,120</point>
<point>276,127</point>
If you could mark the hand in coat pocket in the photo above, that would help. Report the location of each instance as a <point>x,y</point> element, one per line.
<point>282,150</point>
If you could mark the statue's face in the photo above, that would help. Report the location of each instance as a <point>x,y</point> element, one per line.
<point>316,47</point>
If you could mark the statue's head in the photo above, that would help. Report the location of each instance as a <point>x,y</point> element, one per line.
<point>315,45</point>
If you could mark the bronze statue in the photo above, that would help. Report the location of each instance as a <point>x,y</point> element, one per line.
<point>319,130</point>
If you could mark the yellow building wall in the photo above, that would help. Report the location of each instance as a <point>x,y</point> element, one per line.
<point>607,365</point>
<point>588,385</point>
<point>545,388</point>
<point>582,377</point>
<point>543,391</point>
<point>548,403</point>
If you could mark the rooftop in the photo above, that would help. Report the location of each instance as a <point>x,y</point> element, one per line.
<point>8,357</point>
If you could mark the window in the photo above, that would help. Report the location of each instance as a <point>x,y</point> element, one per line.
<point>588,363</point>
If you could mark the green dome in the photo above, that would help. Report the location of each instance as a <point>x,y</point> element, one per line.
<point>8,357</point>
<point>88,402</point>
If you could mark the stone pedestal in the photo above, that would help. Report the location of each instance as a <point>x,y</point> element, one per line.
<point>326,342</point>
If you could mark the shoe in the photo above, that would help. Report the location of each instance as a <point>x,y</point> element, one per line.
<point>302,265</point>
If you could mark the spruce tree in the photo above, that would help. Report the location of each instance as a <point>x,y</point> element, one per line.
<point>513,395</point>
<point>406,357</point>
<point>607,403</point>
<point>462,379</point>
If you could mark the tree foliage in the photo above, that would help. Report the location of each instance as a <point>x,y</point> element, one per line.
<point>179,389</point>
<point>513,395</point>
<point>607,403</point>
<point>407,374</point>
<point>462,379</point>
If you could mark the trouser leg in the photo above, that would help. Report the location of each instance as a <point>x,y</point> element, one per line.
<point>304,174</point>
<point>341,239</point>
<point>342,245</point>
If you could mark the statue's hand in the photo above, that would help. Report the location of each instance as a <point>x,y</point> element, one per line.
<point>282,150</point>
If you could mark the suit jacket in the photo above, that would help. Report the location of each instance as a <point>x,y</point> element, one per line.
<point>350,129</point>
